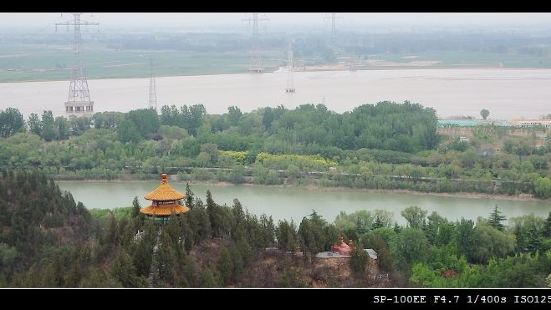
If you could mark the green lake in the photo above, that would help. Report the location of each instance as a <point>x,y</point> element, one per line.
<point>295,202</point>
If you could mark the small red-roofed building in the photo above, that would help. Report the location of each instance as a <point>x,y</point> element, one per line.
<point>342,247</point>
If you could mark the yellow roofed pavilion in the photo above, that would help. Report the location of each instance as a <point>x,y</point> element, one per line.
<point>165,201</point>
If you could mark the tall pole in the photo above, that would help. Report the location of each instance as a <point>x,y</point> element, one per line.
<point>79,95</point>
<point>290,65</point>
<point>333,27</point>
<point>152,88</point>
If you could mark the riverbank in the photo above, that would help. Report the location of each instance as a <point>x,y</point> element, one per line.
<point>320,188</point>
<point>329,68</point>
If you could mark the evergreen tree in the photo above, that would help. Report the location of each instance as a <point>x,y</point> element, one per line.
<point>287,238</point>
<point>397,228</point>
<point>199,222</point>
<point>378,223</point>
<point>496,218</point>
<point>534,239</point>
<point>358,260</point>
<point>135,207</point>
<point>189,196</point>
<point>384,258</point>
<point>547,227</point>
<point>124,271</point>
<point>208,278</point>
<point>191,272</point>
<point>166,258</point>
<point>225,265</point>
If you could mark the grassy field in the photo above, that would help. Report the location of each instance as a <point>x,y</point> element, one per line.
<point>118,213</point>
<point>50,62</point>
<point>27,63</point>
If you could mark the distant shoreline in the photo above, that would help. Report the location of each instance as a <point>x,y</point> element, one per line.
<point>470,195</point>
<point>375,68</point>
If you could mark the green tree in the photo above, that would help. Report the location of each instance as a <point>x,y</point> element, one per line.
<point>124,271</point>
<point>79,124</point>
<point>415,216</point>
<point>433,227</point>
<point>547,227</point>
<point>208,278</point>
<point>495,220</point>
<point>211,150</point>
<point>35,126</point>
<point>489,242</point>
<point>128,132</point>
<point>146,121</point>
<point>189,196</point>
<point>225,265</point>
<point>484,113</point>
<point>465,238</point>
<point>410,247</point>
<point>384,257</point>
<point>218,218</point>
<point>11,121</point>
<point>268,118</point>
<point>61,126</point>
<point>542,187</point>
<point>286,234</point>
<point>135,207</point>
<point>48,127</point>
<point>358,260</point>
<point>234,115</point>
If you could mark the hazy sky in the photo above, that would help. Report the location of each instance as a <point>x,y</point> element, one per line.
<point>206,21</point>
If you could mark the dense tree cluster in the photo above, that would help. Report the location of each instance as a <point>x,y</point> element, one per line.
<point>48,240</point>
<point>383,146</point>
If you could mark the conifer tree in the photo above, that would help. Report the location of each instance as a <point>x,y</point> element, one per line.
<point>189,196</point>
<point>496,218</point>
<point>135,207</point>
<point>225,265</point>
<point>547,226</point>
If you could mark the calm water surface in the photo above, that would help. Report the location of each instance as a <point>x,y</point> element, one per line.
<point>295,203</point>
<point>507,93</point>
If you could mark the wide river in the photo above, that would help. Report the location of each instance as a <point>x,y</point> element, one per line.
<point>295,203</point>
<point>507,93</point>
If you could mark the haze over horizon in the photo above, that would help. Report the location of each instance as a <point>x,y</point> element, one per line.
<point>225,22</point>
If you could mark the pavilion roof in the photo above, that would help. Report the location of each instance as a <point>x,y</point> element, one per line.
<point>165,210</point>
<point>164,192</point>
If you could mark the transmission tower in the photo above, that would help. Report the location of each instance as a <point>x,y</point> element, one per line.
<point>79,95</point>
<point>290,64</point>
<point>152,88</point>
<point>333,17</point>
<point>255,64</point>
